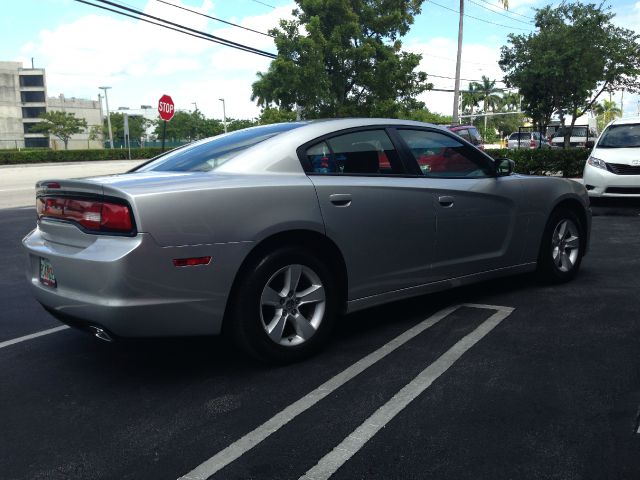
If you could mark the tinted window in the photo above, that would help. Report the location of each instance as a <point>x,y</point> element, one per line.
<point>621,136</point>
<point>368,153</point>
<point>464,133</point>
<point>32,112</point>
<point>576,132</point>
<point>32,80</point>
<point>439,155</point>
<point>209,154</point>
<point>36,143</point>
<point>476,138</point>
<point>32,97</point>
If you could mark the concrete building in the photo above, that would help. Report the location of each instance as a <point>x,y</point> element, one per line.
<point>23,98</point>
<point>88,109</point>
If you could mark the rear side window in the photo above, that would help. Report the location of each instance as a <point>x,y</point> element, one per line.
<point>439,155</point>
<point>367,152</point>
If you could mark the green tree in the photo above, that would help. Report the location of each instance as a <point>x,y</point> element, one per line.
<point>137,126</point>
<point>576,54</point>
<point>235,124</point>
<point>469,99</point>
<point>189,126</point>
<point>343,58</point>
<point>275,115</point>
<point>96,133</point>
<point>488,94</point>
<point>424,115</point>
<point>606,111</point>
<point>60,124</point>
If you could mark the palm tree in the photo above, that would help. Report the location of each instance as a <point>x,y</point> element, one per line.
<point>511,101</point>
<point>606,111</point>
<point>488,94</point>
<point>469,99</point>
<point>456,94</point>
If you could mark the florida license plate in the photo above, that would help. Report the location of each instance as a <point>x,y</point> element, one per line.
<point>46,273</point>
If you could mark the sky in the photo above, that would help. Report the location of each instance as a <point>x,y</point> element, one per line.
<point>82,48</point>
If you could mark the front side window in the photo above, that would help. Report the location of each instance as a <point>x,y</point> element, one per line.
<point>367,152</point>
<point>439,155</point>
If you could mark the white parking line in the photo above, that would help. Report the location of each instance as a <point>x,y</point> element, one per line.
<point>331,462</point>
<point>253,438</point>
<point>32,336</point>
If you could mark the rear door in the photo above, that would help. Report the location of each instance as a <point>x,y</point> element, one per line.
<point>383,223</point>
<point>480,225</point>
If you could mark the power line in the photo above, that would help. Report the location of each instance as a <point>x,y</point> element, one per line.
<point>453,60</point>
<point>512,13</point>
<point>214,18</point>
<point>262,3</point>
<point>497,12</point>
<point>476,18</point>
<point>465,79</point>
<point>180,28</point>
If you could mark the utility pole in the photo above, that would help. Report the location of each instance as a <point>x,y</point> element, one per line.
<point>106,99</point>
<point>224,115</point>
<point>456,91</point>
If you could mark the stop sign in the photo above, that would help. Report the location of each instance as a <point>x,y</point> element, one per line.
<point>166,108</point>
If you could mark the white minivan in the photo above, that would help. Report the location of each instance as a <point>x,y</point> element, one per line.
<point>613,168</point>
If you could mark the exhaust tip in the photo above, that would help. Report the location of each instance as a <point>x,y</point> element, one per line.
<point>100,333</point>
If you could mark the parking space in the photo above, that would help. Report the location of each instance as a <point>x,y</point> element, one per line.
<point>416,389</point>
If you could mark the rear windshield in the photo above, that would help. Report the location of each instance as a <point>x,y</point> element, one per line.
<point>621,136</point>
<point>209,154</point>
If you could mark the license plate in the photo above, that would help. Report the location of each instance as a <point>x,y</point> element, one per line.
<point>46,273</point>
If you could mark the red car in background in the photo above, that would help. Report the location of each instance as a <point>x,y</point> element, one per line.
<point>469,133</point>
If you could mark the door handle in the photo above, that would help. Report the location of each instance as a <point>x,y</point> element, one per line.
<point>446,201</point>
<point>340,199</point>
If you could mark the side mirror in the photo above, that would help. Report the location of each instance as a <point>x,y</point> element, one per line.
<point>504,166</point>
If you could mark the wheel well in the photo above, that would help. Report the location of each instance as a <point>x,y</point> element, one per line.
<point>319,244</point>
<point>576,207</point>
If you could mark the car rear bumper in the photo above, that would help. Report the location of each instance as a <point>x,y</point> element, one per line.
<point>130,287</point>
<point>602,183</point>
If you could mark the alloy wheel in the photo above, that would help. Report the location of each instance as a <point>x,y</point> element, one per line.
<point>565,245</point>
<point>292,305</point>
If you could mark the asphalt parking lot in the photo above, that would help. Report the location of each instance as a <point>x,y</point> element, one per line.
<point>504,379</point>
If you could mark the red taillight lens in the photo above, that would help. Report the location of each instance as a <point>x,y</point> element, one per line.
<point>532,143</point>
<point>92,215</point>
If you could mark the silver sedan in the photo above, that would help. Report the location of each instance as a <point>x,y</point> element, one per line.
<point>268,234</point>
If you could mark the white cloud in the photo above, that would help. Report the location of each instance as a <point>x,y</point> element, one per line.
<point>438,60</point>
<point>141,61</point>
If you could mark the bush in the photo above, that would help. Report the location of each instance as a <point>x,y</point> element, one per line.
<point>13,157</point>
<point>549,161</point>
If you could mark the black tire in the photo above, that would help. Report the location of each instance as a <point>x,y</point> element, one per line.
<point>249,316</point>
<point>555,270</point>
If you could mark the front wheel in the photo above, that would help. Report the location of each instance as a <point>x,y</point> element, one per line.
<point>284,307</point>
<point>562,247</point>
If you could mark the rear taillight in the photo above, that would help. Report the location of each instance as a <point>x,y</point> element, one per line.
<point>533,143</point>
<point>92,215</point>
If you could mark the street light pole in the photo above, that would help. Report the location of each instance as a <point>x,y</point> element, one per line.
<point>106,99</point>
<point>224,115</point>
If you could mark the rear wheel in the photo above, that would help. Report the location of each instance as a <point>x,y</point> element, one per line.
<point>284,307</point>
<point>562,247</point>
